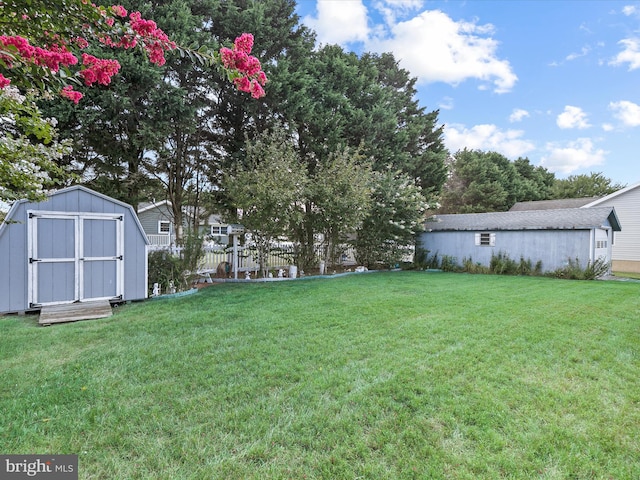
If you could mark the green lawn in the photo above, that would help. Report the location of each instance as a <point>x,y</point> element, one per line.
<point>379,376</point>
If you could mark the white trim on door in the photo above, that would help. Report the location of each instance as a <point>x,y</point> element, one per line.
<point>79,258</point>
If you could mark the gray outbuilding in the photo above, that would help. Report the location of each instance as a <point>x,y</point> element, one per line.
<point>77,246</point>
<point>552,237</point>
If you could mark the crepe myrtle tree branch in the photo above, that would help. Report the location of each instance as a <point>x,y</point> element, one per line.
<point>34,56</point>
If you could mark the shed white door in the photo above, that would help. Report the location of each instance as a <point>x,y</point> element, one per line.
<point>75,257</point>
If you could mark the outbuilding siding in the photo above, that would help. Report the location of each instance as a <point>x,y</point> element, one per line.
<point>552,247</point>
<point>14,241</point>
<point>552,237</point>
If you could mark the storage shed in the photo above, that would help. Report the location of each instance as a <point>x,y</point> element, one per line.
<point>549,236</point>
<point>77,246</point>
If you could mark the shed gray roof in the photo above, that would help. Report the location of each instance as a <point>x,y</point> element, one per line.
<point>552,204</point>
<point>81,188</point>
<point>558,219</point>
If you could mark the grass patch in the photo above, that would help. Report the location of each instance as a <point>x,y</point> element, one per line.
<point>382,376</point>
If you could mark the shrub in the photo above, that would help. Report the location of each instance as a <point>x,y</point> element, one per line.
<point>501,264</point>
<point>470,267</point>
<point>449,264</point>
<point>573,270</point>
<point>421,258</point>
<point>597,269</point>
<point>433,262</point>
<point>166,268</point>
<point>524,268</point>
<point>538,268</point>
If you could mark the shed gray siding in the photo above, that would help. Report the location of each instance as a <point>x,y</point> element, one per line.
<point>14,259</point>
<point>552,247</point>
<point>549,236</point>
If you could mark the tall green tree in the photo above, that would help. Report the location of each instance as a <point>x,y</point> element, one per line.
<point>268,190</point>
<point>150,134</point>
<point>367,104</point>
<point>489,182</point>
<point>40,56</point>
<point>578,186</point>
<point>398,133</point>
<point>339,194</point>
<point>115,129</point>
<point>397,214</point>
<point>536,183</point>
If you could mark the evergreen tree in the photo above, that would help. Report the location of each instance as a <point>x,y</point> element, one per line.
<point>578,186</point>
<point>490,182</point>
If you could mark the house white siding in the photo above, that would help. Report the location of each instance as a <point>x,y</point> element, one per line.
<point>626,243</point>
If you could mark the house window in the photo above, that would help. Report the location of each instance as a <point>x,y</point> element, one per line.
<point>218,230</point>
<point>164,227</point>
<point>486,239</point>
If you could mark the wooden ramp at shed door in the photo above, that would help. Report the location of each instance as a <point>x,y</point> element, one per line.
<point>74,311</point>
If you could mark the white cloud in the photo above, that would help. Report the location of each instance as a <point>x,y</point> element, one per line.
<point>392,9</point>
<point>576,155</point>
<point>629,10</point>
<point>431,45</point>
<point>630,54</point>
<point>446,103</point>
<point>607,127</point>
<point>583,52</point>
<point>627,112</point>
<point>339,22</point>
<point>572,117</point>
<point>517,115</point>
<point>487,137</point>
<point>435,48</point>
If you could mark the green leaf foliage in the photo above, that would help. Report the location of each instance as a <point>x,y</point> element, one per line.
<point>490,182</point>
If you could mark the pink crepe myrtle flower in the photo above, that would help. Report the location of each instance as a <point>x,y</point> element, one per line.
<point>256,89</point>
<point>119,10</point>
<point>144,28</point>
<point>81,42</point>
<point>69,93</point>
<point>51,57</point>
<point>4,81</point>
<point>250,77</point>
<point>243,84</point>
<point>244,43</point>
<point>98,70</point>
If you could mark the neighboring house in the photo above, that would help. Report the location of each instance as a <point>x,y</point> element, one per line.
<point>215,230</point>
<point>76,246</point>
<point>157,220</point>
<point>625,255</point>
<point>626,244</point>
<point>549,236</point>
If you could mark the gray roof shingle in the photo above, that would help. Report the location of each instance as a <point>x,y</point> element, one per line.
<point>556,219</point>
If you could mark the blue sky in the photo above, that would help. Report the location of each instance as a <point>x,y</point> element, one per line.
<point>557,82</point>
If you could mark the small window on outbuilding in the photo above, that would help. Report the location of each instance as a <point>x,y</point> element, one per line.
<point>486,239</point>
<point>164,227</point>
